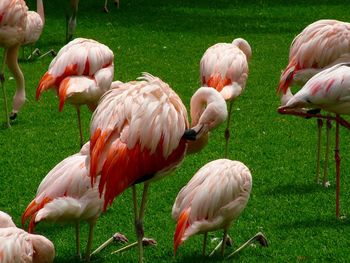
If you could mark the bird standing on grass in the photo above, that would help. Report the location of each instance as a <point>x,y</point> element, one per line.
<point>13,22</point>
<point>138,136</point>
<point>81,72</point>
<point>224,67</point>
<point>320,45</point>
<point>65,194</point>
<point>16,245</point>
<point>213,199</point>
<point>327,90</point>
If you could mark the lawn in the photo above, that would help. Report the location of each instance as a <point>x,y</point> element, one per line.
<point>167,39</point>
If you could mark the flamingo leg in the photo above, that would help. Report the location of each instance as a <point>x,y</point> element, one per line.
<point>115,238</point>
<point>2,80</point>
<point>259,237</point>
<point>71,21</point>
<point>204,243</point>
<point>80,129</point>
<point>318,158</point>
<point>77,238</point>
<point>337,162</point>
<point>325,181</point>
<point>223,245</point>
<point>105,7</point>
<point>227,130</point>
<point>89,244</point>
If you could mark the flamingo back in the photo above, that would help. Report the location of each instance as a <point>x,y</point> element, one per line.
<point>136,132</point>
<point>321,44</point>
<point>80,57</point>
<point>65,194</point>
<point>13,21</point>
<point>328,90</point>
<point>214,197</point>
<point>34,28</point>
<point>222,65</point>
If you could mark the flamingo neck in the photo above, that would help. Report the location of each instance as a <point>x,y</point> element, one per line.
<point>12,62</point>
<point>40,10</point>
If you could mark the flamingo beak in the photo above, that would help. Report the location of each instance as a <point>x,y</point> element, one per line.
<point>190,135</point>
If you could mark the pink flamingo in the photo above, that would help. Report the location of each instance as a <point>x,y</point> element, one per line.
<point>327,90</point>
<point>65,194</point>
<point>320,45</point>
<point>213,199</point>
<point>16,245</point>
<point>138,135</point>
<point>81,72</point>
<point>13,22</point>
<point>224,67</point>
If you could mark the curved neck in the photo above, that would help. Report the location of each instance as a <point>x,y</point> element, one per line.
<point>12,63</point>
<point>40,10</point>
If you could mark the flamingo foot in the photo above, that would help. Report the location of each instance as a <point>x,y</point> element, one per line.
<point>145,242</point>
<point>229,243</point>
<point>258,237</point>
<point>117,237</point>
<point>13,116</point>
<point>326,184</point>
<point>105,9</point>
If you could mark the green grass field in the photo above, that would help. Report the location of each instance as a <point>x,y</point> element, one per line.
<point>167,39</point>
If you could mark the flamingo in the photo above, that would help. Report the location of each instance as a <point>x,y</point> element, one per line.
<point>16,245</point>
<point>65,194</point>
<point>81,72</point>
<point>213,199</point>
<point>13,21</point>
<point>224,66</point>
<point>327,90</point>
<point>138,135</point>
<point>319,46</point>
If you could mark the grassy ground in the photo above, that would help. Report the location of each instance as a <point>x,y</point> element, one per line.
<point>167,39</point>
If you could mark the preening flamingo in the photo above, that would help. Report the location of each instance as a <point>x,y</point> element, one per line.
<point>65,194</point>
<point>16,245</point>
<point>213,199</point>
<point>320,45</point>
<point>138,135</point>
<point>224,67</point>
<point>81,72</point>
<point>13,22</point>
<point>327,90</point>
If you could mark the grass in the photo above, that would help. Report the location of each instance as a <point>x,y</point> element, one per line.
<point>167,39</point>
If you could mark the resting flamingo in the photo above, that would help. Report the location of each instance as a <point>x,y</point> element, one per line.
<point>81,72</point>
<point>16,245</point>
<point>65,194</point>
<point>138,135</point>
<point>213,199</point>
<point>327,90</point>
<point>13,22</point>
<point>319,46</point>
<point>224,67</point>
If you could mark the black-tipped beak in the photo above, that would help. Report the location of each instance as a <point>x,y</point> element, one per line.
<point>190,135</point>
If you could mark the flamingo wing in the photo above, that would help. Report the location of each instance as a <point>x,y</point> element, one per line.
<point>136,132</point>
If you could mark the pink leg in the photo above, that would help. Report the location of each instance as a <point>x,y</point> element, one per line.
<point>337,162</point>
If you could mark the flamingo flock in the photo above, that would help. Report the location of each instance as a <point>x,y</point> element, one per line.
<point>140,131</point>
